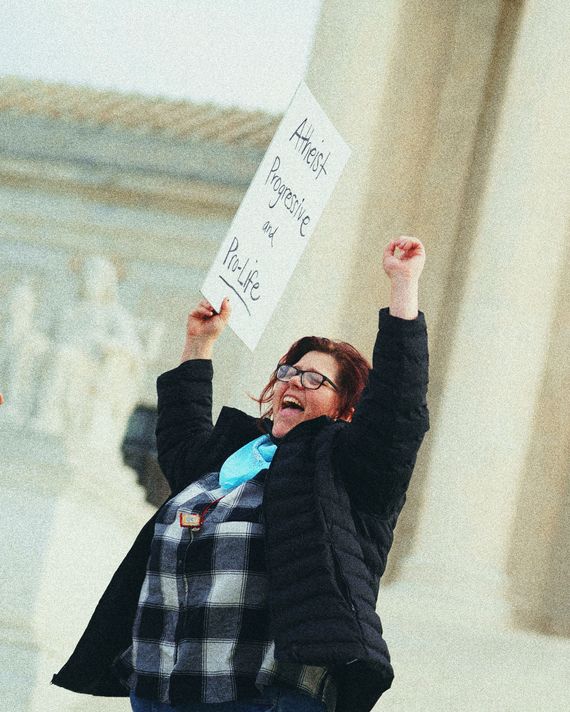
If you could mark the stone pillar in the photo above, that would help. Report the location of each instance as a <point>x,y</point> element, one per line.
<point>539,557</point>
<point>452,596</point>
<point>499,349</point>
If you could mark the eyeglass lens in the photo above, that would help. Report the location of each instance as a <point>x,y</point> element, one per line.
<point>309,379</point>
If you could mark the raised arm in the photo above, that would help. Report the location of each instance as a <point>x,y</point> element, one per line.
<point>185,396</point>
<point>404,270</point>
<point>377,451</point>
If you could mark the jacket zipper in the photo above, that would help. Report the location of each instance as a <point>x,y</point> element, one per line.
<point>341,581</point>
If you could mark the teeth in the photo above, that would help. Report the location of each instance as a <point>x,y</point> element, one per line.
<point>291,399</point>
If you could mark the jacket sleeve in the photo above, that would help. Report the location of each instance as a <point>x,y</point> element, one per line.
<point>184,419</point>
<point>376,453</point>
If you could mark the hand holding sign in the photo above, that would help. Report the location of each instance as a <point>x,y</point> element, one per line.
<point>203,327</point>
<point>277,216</point>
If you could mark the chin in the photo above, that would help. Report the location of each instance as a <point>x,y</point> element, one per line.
<point>280,429</point>
<point>279,432</point>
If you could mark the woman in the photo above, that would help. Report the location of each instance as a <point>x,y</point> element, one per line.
<point>254,586</point>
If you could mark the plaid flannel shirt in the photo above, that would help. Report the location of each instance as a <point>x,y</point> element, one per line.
<point>201,629</point>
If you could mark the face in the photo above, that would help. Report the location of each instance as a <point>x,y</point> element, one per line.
<point>314,403</point>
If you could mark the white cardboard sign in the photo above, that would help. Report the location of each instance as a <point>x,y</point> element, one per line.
<point>277,216</point>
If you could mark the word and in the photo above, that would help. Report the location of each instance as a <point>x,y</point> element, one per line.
<point>270,231</point>
<point>290,200</point>
<point>246,279</point>
<point>312,155</point>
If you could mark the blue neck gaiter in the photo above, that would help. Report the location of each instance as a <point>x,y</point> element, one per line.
<point>246,462</point>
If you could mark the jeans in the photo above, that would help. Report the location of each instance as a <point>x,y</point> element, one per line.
<point>273,699</point>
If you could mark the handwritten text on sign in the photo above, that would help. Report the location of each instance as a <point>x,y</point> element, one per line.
<point>277,216</point>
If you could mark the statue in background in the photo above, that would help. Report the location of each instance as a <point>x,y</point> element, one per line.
<point>97,365</point>
<point>22,346</point>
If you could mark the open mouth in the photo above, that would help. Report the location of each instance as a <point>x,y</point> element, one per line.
<point>291,404</point>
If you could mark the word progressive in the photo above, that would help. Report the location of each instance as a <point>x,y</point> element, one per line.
<point>291,202</point>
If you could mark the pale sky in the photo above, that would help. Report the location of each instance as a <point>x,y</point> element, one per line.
<point>249,53</point>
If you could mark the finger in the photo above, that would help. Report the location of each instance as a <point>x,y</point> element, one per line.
<point>404,243</point>
<point>409,243</point>
<point>225,309</point>
<point>205,304</point>
<point>410,247</point>
<point>414,251</point>
<point>200,313</point>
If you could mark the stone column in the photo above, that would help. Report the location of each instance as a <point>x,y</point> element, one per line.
<point>539,557</point>
<point>454,639</point>
<point>499,350</point>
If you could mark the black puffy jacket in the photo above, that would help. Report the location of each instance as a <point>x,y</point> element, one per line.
<point>332,496</point>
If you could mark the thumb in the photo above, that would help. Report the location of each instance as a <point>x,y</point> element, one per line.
<point>225,309</point>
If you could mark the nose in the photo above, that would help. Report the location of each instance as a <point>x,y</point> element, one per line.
<point>297,379</point>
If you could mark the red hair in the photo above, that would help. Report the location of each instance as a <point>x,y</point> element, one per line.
<point>353,369</point>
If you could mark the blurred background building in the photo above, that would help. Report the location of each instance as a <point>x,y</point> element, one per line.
<point>112,206</point>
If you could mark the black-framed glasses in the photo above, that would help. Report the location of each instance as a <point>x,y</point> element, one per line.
<point>309,379</point>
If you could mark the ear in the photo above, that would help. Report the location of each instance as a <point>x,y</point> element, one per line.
<point>348,416</point>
